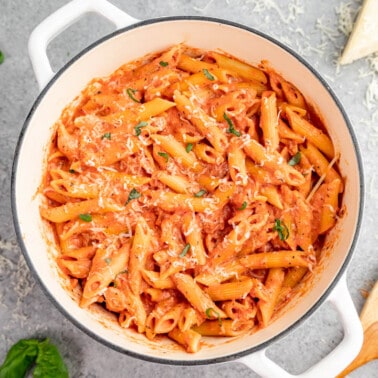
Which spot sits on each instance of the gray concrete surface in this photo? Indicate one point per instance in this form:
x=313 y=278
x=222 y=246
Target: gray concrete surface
x=316 y=30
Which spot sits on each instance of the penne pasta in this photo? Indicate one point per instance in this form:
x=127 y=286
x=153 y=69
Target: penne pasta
x=190 y=194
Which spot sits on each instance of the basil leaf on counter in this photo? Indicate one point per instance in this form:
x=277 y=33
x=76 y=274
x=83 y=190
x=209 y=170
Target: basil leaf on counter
x=28 y=352
x=19 y=359
x=49 y=362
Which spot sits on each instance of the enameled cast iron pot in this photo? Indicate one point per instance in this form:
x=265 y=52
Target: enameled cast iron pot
x=135 y=39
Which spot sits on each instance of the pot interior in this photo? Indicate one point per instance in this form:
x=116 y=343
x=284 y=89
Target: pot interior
x=102 y=59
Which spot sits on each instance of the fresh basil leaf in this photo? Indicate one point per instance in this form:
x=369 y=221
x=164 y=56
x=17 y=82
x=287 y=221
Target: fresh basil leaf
x=208 y=74
x=138 y=127
x=164 y=155
x=85 y=217
x=282 y=229
x=231 y=127
x=243 y=206
x=134 y=194
x=107 y=136
x=19 y=359
x=216 y=313
x=200 y=193
x=163 y=64
x=131 y=92
x=185 y=250
x=189 y=147
x=49 y=363
x=295 y=159
x=1 y=57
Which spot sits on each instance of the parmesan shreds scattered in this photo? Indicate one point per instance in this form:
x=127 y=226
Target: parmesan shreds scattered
x=204 y=8
x=294 y=9
x=346 y=15
x=326 y=29
x=373 y=63
x=371 y=96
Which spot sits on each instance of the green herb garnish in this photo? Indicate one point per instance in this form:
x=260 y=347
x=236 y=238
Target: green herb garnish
x=107 y=136
x=185 y=250
x=200 y=193
x=295 y=159
x=1 y=57
x=164 y=155
x=134 y=194
x=208 y=314
x=163 y=64
x=138 y=127
x=131 y=92
x=71 y=170
x=282 y=229
x=189 y=147
x=231 y=127
x=208 y=74
x=85 y=217
x=115 y=278
x=243 y=206
x=28 y=352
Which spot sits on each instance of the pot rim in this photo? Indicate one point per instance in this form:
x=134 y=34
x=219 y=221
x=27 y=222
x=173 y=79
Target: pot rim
x=193 y=361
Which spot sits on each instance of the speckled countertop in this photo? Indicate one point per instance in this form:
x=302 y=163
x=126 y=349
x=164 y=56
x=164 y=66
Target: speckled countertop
x=315 y=29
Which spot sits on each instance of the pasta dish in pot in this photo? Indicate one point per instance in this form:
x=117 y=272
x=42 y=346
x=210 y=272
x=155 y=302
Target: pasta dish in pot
x=190 y=193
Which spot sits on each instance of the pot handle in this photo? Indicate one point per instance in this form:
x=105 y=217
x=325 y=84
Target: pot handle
x=57 y=22
x=335 y=361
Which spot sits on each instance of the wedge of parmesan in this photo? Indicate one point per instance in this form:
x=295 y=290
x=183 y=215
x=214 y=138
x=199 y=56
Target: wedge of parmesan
x=364 y=37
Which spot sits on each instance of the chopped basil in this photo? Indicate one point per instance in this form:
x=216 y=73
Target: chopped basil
x=295 y=159
x=115 y=278
x=134 y=194
x=164 y=155
x=200 y=193
x=71 y=170
x=131 y=92
x=107 y=136
x=108 y=260
x=243 y=206
x=282 y=229
x=208 y=314
x=138 y=127
x=85 y=217
x=231 y=127
x=185 y=250
x=189 y=147
x=208 y=74
x=1 y=57
x=163 y=64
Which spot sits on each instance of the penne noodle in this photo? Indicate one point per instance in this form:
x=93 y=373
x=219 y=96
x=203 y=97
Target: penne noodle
x=311 y=133
x=196 y=296
x=72 y=210
x=229 y=291
x=278 y=259
x=190 y=340
x=224 y=328
x=269 y=121
x=273 y=284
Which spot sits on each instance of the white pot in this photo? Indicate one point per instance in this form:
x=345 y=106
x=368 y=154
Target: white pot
x=102 y=58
